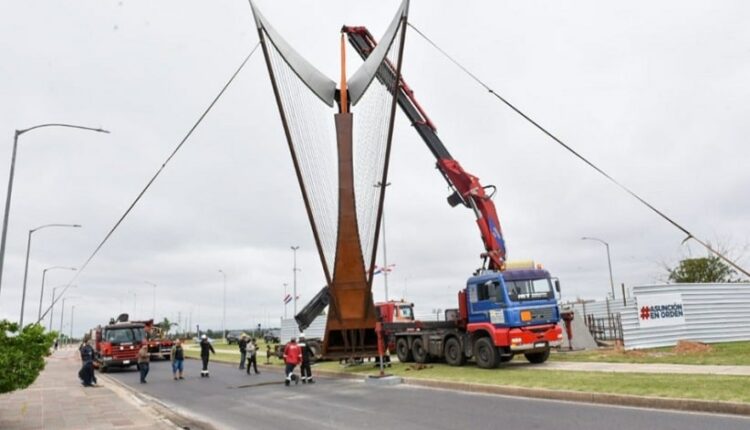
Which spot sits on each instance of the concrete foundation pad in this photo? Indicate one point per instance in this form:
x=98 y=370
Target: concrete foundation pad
x=383 y=380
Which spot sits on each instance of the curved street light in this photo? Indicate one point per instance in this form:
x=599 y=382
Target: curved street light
x=41 y=294
x=609 y=262
x=52 y=306
x=26 y=266
x=10 y=181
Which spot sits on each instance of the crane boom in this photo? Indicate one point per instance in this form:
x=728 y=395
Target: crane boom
x=467 y=190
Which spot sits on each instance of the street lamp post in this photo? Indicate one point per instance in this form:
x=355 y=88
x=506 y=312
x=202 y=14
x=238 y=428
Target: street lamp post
x=41 y=294
x=153 y=310
x=385 y=255
x=294 y=287
x=26 y=266
x=72 y=313
x=224 y=311
x=62 y=313
x=609 y=262
x=10 y=182
x=285 y=303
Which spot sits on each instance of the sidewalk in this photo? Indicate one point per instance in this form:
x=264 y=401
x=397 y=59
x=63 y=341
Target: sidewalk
x=57 y=400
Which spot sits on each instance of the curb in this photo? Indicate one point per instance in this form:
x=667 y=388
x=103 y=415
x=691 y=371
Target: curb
x=666 y=403
x=160 y=409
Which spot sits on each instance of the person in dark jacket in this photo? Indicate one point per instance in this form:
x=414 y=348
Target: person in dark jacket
x=307 y=356
x=205 y=348
x=242 y=343
x=87 y=369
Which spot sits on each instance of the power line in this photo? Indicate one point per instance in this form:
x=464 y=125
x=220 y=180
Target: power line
x=153 y=178
x=576 y=154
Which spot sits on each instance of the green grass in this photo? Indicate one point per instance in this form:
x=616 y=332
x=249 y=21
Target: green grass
x=701 y=387
x=730 y=353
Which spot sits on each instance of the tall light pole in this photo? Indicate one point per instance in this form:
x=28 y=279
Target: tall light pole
x=153 y=310
x=294 y=288
x=224 y=311
x=285 y=303
x=72 y=314
x=41 y=294
x=26 y=266
x=10 y=182
x=52 y=306
x=609 y=262
x=62 y=313
x=385 y=255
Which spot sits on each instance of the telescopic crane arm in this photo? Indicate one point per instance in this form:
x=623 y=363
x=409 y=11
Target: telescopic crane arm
x=467 y=190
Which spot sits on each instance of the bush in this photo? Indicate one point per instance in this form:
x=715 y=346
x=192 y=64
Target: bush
x=22 y=354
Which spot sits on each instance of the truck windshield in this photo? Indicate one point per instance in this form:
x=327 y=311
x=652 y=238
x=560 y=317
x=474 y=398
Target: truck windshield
x=536 y=289
x=406 y=312
x=124 y=335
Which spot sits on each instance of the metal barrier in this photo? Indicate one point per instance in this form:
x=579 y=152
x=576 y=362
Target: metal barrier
x=608 y=328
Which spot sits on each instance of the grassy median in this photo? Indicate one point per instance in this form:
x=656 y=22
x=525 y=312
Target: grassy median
x=730 y=354
x=702 y=387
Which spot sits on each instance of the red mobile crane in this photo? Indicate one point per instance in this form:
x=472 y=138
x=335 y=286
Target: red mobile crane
x=467 y=189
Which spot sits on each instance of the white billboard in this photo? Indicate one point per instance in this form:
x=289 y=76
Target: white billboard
x=660 y=310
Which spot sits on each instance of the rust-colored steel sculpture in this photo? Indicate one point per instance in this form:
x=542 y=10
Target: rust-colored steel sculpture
x=350 y=330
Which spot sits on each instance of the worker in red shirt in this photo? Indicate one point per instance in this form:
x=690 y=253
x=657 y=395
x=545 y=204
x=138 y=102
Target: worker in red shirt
x=292 y=357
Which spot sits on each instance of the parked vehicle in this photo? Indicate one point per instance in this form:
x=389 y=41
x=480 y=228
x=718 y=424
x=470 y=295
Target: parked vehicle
x=117 y=344
x=499 y=314
x=272 y=335
x=159 y=346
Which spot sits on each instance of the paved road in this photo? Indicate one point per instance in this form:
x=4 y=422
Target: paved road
x=232 y=399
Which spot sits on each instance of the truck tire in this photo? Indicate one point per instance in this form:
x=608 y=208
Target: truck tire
x=486 y=354
x=402 y=350
x=419 y=351
x=454 y=354
x=537 y=357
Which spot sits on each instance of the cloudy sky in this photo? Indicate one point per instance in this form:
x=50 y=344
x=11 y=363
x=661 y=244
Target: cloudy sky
x=655 y=93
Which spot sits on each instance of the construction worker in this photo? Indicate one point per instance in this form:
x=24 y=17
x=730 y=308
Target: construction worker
x=307 y=356
x=205 y=348
x=143 y=362
x=292 y=357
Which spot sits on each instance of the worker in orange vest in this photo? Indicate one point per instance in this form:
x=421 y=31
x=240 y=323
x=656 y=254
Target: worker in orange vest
x=292 y=357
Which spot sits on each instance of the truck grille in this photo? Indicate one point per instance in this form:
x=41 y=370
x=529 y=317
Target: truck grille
x=542 y=314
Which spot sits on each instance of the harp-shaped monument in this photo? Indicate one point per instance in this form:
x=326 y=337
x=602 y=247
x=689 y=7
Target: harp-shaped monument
x=339 y=162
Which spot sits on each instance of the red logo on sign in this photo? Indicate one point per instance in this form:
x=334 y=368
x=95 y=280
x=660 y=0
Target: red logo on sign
x=645 y=313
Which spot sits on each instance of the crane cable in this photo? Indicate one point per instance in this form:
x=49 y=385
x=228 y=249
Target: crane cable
x=151 y=181
x=575 y=153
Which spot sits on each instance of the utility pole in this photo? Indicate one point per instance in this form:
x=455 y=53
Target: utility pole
x=224 y=312
x=294 y=289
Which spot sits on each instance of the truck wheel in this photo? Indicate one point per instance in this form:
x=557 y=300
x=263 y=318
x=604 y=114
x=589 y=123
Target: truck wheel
x=454 y=354
x=402 y=351
x=419 y=351
x=537 y=357
x=486 y=354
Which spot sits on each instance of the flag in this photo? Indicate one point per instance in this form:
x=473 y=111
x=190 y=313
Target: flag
x=287 y=298
x=386 y=269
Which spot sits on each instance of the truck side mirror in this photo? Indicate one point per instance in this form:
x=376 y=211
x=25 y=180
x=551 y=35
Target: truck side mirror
x=557 y=285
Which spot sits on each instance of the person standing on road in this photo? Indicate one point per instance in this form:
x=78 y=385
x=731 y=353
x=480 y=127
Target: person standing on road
x=177 y=357
x=252 y=354
x=205 y=348
x=87 y=368
x=307 y=355
x=242 y=343
x=143 y=362
x=292 y=357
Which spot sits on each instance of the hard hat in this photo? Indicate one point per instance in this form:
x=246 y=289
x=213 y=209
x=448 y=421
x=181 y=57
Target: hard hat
x=203 y=336
x=301 y=335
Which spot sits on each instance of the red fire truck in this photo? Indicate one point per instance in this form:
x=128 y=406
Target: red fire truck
x=117 y=343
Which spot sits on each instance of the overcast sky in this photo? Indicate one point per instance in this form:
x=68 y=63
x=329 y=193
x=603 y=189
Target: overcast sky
x=655 y=93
